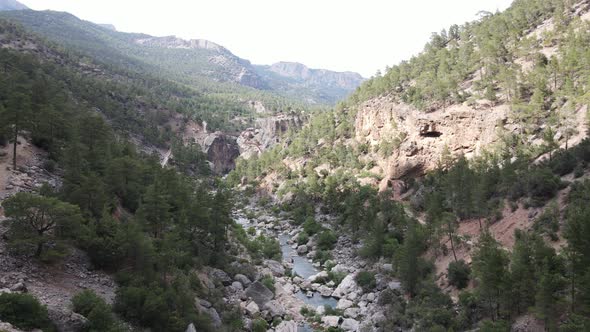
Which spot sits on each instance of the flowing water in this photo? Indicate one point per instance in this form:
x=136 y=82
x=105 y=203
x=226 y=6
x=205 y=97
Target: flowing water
x=303 y=268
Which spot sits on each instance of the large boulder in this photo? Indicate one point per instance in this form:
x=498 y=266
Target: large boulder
x=331 y=321
x=252 y=308
x=347 y=286
x=343 y=304
x=350 y=324
x=245 y=281
x=275 y=267
x=220 y=276
x=302 y=249
x=191 y=328
x=287 y=326
x=259 y=293
x=275 y=309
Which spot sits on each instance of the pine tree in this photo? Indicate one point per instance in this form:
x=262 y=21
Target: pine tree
x=490 y=266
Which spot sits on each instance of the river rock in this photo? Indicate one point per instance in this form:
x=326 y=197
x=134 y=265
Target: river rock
x=331 y=321
x=245 y=281
x=325 y=291
x=275 y=267
x=387 y=267
x=297 y=280
x=275 y=309
x=347 y=286
x=252 y=308
x=371 y=297
x=302 y=249
x=237 y=286
x=319 y=276
x=320 y=310
x=344 y=304
x=352 y=312
x=350 y=324
x=191 y=328
x=259 y=293
x=287 y=326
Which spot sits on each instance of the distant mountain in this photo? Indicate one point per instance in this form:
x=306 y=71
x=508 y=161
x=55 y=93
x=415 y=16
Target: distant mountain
x=329 y=85
x=11 y=5
x=344 y=80
x=109 y=26
x=195 y=62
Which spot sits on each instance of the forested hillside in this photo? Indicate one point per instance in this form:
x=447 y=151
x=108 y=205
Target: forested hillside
x=466 y=168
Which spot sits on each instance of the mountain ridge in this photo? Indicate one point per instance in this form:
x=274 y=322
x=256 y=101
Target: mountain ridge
x=189 y=61
x=11 y=5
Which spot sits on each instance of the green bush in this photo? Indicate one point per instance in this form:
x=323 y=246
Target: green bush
x=326 y=240
x=322 y=256
x=259 y=325
x=311 y=227
x=25 y=312
x=366 y=280
x=458 y=274
x=269 y=282
x=302 y=238
x=85 y=301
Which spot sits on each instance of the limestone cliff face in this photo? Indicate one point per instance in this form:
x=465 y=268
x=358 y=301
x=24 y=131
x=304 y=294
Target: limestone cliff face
x=222 y=151
x=424 y=137
x=267 y=133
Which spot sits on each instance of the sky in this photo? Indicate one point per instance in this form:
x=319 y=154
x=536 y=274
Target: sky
x=343 y=35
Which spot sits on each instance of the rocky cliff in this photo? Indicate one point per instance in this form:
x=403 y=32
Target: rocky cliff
x=424 y=137
x=298 y=71
x=268 y=132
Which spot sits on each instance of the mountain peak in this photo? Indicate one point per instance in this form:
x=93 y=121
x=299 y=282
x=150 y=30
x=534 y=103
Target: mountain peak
x=11 y=5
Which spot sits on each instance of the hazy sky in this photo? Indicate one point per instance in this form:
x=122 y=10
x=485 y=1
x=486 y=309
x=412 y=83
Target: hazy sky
x=355 y=35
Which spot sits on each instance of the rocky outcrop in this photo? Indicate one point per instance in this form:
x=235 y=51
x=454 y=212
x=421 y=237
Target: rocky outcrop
x=268 y=132
x=421 y=138
x=222 y=151
x=327 y=78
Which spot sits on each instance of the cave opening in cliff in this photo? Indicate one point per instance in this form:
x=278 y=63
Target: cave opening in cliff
x=433 y=134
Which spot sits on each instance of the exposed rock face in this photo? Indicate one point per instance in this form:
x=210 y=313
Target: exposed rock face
x=345 y=80
x=222 y=151
x=424 y=137
x=267 y=133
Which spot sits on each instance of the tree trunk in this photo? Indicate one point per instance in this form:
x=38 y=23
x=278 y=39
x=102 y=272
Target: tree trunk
x=39 y=249
x=15 y=144
x=452 y=245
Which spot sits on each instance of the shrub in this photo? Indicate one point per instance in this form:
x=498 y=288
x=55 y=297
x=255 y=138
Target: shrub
x=322 y=256
x=326 y=240
x=458 y=274
x=302 y=238
x=269 y=282
x=311 y=227
x=366 y=280
x=259 y=325
x=24 y=311
x=85 y=301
